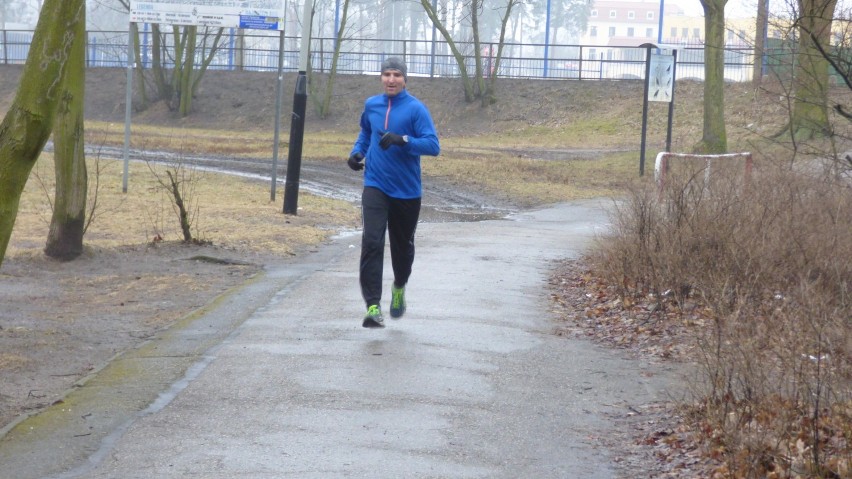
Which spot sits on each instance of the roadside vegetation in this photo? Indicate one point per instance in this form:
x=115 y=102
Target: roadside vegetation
x=760 y=271
x=230 y=212
x=748 y=277
x=757 y=272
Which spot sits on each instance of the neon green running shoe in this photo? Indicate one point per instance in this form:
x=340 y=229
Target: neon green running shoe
x=397 y=302
x=374 y=319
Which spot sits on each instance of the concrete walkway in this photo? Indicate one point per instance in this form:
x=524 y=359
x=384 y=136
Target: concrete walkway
x=471 y=383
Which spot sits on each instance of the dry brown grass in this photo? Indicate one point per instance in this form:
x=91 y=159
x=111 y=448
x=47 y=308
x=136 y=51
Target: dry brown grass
x=12 y=362
x=232 y=213
x=533 y=181
x=771 y=260
x=235 y=143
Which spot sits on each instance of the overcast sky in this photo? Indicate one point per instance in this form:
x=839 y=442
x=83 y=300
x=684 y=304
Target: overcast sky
x=734 y=8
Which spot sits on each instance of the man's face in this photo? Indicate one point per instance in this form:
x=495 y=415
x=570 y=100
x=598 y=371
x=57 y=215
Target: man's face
x=393 y=82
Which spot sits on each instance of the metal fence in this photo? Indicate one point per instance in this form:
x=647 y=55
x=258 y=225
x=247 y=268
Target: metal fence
x=240 y=50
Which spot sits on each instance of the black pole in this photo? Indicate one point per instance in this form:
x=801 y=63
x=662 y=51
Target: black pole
x=297 y=134
x=645 y=111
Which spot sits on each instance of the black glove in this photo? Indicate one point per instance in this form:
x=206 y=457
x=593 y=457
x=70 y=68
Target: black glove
x=355 y=160
x=389 y=139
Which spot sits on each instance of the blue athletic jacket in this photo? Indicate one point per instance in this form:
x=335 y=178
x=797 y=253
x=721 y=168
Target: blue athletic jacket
x=396 y=171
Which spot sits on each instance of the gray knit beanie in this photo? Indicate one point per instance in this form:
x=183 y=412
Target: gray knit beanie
x=395 y=63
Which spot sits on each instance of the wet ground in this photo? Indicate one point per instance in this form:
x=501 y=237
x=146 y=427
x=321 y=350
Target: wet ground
x=441 y=202
x=279 y=379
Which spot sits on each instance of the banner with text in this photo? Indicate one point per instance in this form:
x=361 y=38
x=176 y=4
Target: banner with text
x=256 y=15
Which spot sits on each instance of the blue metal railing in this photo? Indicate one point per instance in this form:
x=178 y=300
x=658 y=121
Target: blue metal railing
x=258 y=51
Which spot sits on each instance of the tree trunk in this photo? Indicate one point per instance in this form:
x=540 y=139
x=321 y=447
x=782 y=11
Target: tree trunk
x=65 y=238
x=760 y=40
x=178 y=198
x=164 y=89
x=139 y=71
x=714 y=139
x=207 y=59
x=185 y=79
x=179 y=39
x=810 y=80
x=478 y=73
x=29 y=120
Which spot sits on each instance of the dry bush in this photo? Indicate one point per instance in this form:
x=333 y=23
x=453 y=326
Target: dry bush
x=770 y=258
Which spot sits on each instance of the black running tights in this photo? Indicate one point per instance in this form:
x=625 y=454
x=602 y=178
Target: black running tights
x=381 y=213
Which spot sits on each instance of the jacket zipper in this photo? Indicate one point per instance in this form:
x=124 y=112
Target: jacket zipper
x=387 y=114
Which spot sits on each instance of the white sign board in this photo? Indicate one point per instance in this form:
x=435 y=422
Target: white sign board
x=661 y=81
x=255 y=14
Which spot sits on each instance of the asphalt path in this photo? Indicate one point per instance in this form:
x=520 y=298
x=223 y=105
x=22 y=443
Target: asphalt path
x=279 y=379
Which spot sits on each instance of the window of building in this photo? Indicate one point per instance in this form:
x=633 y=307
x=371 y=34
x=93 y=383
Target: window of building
x=612 y=14
x=611 y=31
x=593 y=31
x=696 y=33
x=649 y=15
x=593 y=52
x=593 y=13
x=631 y=15
x=629 y=31
x=674 y=32
x=730 y=35
x=684 y=33
x=649 y=33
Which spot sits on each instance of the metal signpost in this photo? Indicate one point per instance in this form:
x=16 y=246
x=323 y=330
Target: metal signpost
x=247 y=14
x=660 y=70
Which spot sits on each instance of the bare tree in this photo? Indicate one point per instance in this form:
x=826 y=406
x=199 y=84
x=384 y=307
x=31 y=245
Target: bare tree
x=324 y=104
x=186 y=76
x=179 y=183
x=29 y=120
x=475 y=86
x=490 y=92
x=178 y=85
x=714 y=139
x=810 y=79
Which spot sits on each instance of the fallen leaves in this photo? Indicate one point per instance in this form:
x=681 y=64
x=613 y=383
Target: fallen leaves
x=770 y=439
x=590 y=307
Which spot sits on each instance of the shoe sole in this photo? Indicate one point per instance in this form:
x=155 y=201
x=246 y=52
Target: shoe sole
x=396 y=316
x=371 y=323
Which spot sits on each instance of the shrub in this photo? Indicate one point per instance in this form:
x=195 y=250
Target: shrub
x=771 y=259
